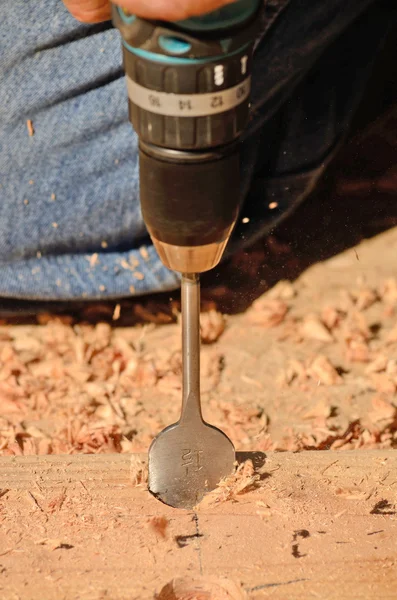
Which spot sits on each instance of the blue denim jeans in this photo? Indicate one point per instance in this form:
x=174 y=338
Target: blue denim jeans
x=70 y=222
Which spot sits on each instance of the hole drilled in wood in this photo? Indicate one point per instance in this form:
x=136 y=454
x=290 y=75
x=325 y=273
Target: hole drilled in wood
x=201 y=588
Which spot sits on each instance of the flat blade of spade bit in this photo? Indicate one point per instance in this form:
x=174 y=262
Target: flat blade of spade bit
x=189 y=458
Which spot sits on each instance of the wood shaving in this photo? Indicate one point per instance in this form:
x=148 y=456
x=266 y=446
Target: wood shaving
x=391 y=367
x=321 y=409
x=358 y=351
x=322 y=370
x=242 y=481
x=117 y=312
x=93 y=260
x=365 y=298
x=53 y=544
x=267 y=313
x=29 y=125
x=357 y=335
x=313 y=328
x=383 y=383
x=283 y=290
x=383 y=410
x=295 y=370
x=139 y=472
x=126 y=265
x=351 y=493
x=387 y=291
x=378 y=365
x=145 y=374
x=144 y=253
x=212 y=325
x=159 y=525
x=391 y=337
x=331 y=317
x=56 y=503
x=150 y=313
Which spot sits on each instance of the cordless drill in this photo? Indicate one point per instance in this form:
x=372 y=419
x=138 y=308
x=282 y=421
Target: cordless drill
x=189 y=86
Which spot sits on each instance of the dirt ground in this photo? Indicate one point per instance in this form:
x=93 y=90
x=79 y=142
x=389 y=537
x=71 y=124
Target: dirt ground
x=299 y=338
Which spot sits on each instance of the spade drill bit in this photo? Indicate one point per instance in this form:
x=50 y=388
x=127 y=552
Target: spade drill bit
x=189 y=458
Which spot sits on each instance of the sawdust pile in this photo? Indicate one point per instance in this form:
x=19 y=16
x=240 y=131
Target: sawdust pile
x=80 y=388
x=362 y=344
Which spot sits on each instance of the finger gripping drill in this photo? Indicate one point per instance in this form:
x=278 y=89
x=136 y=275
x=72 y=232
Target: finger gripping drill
x=188 y=86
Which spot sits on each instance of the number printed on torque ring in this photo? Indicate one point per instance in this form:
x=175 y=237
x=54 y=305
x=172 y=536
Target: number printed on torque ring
x=154 y=101
x=244 y=62
x=185 y=105
x=190 y=105
x=216 y=101
x=219 y=75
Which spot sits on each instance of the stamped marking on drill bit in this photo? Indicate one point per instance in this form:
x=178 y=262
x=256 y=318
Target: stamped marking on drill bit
x=188 y=105
x=191 y=458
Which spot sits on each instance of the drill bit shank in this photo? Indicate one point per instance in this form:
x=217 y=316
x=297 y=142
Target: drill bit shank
x=191 y=405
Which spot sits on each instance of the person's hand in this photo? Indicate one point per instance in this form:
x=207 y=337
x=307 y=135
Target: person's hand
x=94 y=11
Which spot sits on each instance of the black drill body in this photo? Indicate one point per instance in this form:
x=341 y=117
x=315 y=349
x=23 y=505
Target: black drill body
x=189 y=103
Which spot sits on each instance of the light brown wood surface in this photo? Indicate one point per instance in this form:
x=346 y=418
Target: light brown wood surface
x=319 y=525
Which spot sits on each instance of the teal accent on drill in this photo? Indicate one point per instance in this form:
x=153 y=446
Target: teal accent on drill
x=223 y=18
x=174 y=45
x=174 y=60
x=126 y=18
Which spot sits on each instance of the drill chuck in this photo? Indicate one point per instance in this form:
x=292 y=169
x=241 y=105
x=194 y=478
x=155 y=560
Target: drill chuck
x=188 y=87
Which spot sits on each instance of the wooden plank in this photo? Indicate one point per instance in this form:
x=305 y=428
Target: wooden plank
x=319 y=525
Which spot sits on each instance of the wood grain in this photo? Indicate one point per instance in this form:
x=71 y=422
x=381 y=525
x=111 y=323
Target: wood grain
x=319 y=525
